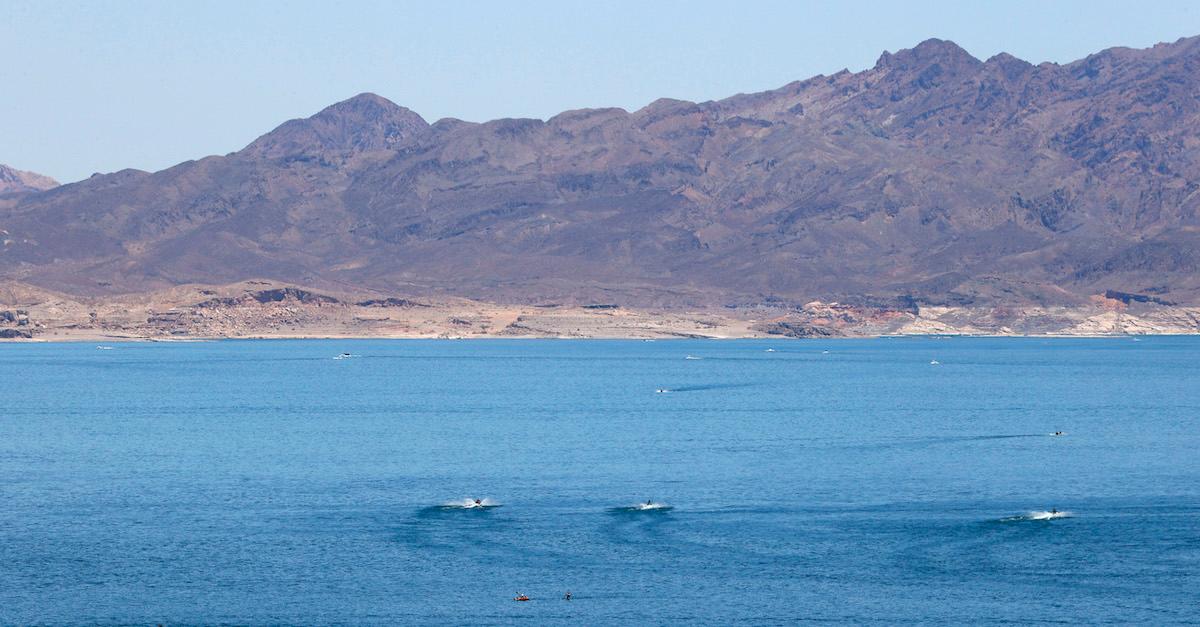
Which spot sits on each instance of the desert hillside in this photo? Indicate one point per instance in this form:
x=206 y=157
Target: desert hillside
x=933 y=181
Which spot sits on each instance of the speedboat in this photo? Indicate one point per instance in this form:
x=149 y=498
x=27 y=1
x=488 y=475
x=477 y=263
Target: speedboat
x=344 y=356
x=770 y=350
x=661 y=391
x=935 y=362
x=693 y=357
x=521 y=597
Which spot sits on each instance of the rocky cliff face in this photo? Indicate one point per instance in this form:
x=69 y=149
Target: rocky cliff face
x=931 y=179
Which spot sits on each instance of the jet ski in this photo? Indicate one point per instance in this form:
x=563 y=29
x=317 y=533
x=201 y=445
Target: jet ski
x=1050 y=515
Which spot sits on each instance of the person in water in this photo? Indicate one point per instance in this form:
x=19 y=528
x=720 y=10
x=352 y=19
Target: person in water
x=567 y=596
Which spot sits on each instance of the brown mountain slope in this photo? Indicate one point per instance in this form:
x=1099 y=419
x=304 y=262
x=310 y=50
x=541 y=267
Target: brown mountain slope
x=16 y=181
x=932 y=177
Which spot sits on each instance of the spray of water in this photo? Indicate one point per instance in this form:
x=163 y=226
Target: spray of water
x=470 y=504
x=648 y=506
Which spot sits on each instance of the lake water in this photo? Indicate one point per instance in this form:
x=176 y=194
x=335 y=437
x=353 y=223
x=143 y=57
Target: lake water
x=266 y=482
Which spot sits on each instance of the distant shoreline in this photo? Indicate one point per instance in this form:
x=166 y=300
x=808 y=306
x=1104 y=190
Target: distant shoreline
x=102 y=339
x=266 y=310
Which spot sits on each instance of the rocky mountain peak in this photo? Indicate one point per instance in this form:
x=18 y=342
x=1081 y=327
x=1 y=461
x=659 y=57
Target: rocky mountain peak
x=1007 y=66
x=366 y=122
x=946 y=54
x=15 y=181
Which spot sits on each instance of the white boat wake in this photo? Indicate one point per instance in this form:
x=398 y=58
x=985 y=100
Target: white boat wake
x=471 y=504
x=1042 y=515
x=1047 y=515
x=648 y=506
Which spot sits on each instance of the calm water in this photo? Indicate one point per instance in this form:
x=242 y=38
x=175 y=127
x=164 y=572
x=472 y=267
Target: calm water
x=265 y=482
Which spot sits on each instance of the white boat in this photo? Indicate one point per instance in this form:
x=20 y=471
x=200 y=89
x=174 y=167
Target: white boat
x=935 y=363
x=693 y=357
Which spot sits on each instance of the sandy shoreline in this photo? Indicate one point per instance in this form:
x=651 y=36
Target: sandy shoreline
x=266 y=310
x=101 y=338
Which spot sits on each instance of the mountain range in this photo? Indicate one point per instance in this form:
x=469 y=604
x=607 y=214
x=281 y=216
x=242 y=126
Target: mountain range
x=931 y=179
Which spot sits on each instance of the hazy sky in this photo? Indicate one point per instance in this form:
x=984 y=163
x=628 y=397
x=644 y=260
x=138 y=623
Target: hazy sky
x=100 y=86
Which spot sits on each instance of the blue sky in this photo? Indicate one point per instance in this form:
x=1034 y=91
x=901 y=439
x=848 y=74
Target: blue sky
x=99 y=86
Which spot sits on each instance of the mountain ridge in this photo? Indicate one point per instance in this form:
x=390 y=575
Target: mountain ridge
x=932 y=177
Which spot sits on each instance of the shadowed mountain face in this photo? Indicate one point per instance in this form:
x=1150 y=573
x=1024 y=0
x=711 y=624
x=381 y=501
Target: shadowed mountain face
x=15 y=181
x=933 y=177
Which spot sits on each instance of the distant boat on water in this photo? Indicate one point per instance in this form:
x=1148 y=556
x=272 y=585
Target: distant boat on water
x=693 y=357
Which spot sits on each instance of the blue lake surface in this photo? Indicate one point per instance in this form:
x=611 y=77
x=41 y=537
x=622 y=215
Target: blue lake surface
x=265 y=482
